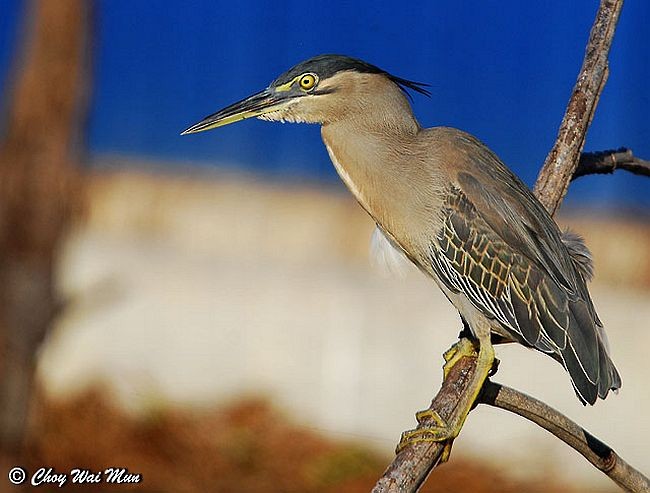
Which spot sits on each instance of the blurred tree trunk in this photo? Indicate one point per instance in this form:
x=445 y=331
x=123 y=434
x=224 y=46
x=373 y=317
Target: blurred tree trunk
x=39 y=190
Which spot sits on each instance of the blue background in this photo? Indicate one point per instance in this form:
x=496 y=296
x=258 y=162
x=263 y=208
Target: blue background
x=502 y=70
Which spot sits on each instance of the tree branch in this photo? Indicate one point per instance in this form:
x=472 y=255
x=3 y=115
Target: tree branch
x=606 y=162
x=412 y=465
x=561 y=163
x=414 y=462
x=591 y=448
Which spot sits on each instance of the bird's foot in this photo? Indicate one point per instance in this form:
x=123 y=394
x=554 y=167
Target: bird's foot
x=432 y=428
x=463 y=348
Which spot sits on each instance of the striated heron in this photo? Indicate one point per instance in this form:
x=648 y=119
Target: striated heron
x=447 y=202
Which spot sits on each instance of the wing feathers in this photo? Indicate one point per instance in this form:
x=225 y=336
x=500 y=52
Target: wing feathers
x=549 y=311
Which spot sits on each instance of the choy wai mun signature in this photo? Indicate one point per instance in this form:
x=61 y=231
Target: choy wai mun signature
x=110 y=475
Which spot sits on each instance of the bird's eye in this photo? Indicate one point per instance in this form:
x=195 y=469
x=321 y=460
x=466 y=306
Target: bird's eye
x=307 y=81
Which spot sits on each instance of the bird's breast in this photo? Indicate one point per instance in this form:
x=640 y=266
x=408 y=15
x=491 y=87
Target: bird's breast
x=350 y=182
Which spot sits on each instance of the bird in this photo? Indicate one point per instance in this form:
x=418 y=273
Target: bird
x=445 y=201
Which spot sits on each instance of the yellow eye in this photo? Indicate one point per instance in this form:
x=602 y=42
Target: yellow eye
x=307 y=81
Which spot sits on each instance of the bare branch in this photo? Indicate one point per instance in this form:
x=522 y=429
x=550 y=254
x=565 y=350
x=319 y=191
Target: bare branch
x=562 y=161
x=598 y=453
x=412 y=465
x=605 y=162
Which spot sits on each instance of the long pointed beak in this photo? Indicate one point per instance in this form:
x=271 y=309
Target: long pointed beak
x=258 y=104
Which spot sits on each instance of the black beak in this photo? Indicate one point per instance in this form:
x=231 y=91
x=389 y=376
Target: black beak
x=258 y=104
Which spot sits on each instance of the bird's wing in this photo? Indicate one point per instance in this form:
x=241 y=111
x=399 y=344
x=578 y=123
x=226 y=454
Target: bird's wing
x=471 y=258
x=500 y=248
x=512 y=212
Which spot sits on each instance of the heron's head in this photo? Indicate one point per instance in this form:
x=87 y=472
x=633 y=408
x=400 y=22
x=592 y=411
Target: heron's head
x=319 y=90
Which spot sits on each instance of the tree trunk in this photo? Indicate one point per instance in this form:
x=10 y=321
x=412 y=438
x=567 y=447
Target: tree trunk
x=39 y=191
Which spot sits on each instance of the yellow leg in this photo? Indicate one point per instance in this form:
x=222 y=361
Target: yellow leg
x=464 y=347
x=432 y=427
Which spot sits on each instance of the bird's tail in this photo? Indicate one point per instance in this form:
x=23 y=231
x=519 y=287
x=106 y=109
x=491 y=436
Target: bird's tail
x=586 y=356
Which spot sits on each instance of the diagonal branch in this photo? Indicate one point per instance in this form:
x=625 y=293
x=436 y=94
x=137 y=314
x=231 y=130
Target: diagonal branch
x=561 y=163
x=592 y=449
x=412 y=465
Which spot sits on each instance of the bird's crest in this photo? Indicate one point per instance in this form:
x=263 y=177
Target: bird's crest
x=328 y=65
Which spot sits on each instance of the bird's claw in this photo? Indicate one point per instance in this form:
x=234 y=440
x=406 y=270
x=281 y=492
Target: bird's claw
x=463 y=348
x=432 y=429
x=431 y=426
x=430 y=416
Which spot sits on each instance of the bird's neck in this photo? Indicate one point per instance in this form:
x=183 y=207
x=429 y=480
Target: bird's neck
x=371 y=155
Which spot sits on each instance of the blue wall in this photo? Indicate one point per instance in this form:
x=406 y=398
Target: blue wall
x=502 y=70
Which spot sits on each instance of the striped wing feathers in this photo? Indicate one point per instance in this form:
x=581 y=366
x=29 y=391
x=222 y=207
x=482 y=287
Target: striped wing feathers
x=504 y=284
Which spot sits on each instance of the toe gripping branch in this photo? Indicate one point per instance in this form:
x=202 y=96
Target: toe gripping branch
x=467 y=366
